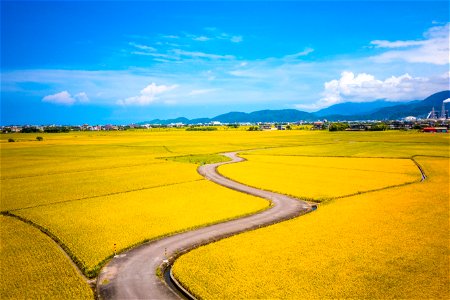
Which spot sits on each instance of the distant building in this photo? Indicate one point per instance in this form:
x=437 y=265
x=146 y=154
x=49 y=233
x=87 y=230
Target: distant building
x=436 y=129
x=265 y=127
x=358 y=127
x=317 y=125
x=410 y=119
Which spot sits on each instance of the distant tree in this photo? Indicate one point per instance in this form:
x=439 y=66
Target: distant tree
x=201 y=128
x=56 y=129
x=288 y=127
x=338 y=126
x=39 y=138
x=10 y=140
x=378 y=127
x=30 y=130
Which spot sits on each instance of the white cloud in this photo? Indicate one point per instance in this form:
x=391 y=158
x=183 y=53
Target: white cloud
x=365 y=87
x=434 y=49
x=147 y=95
x=82 y=97
x=63 y=98
x=396 y=44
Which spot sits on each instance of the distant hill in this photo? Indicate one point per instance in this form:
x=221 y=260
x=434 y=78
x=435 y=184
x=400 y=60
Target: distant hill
x=169 y=121
x=284 y=115
x=354 y=108
x=376 y=110
x=416 y=108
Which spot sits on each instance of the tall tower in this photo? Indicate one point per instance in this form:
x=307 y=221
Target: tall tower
x=443 y=110
x=432 y=114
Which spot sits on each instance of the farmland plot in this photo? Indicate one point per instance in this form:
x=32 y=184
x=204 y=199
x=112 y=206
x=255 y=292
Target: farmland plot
x=34 y=267
x=321 y=178
x=391 y=243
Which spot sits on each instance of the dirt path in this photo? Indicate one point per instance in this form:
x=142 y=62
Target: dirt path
x=132 y=275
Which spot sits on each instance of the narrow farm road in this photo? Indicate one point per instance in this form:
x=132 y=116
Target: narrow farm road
x=132 y=275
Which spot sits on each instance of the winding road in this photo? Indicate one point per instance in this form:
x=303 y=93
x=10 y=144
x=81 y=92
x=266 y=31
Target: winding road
x=132 y=274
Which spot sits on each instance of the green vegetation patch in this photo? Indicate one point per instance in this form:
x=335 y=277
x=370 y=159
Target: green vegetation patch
x=199 y=159
x=201 y=128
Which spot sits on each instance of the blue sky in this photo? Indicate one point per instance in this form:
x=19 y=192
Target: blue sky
x=121 y=62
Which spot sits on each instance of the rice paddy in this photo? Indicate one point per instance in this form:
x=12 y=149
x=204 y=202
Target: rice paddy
x=33 y=267
x=321 y=178
x=391 y=243
x=90 y=191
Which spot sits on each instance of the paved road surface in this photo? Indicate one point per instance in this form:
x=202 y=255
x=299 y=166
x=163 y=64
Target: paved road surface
x=131 y=275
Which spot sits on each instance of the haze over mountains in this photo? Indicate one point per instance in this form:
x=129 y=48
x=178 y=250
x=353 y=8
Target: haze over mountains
x=350 y=111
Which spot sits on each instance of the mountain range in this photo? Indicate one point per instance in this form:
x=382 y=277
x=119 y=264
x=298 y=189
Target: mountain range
x=350 y=111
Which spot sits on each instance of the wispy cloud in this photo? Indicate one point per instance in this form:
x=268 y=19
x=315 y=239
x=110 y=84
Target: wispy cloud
x=142 y=47
x=197 y=54
x=201 y=92
x=434 y=49
x=236 y=39
x=299 y=54
x=176 y=54
x=201 y=38
x=171 y=36
x=282 y=81
x=210 y=34
x=396 y=44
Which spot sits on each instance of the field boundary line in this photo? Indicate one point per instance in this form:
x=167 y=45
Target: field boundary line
x=73 y=260
x=424 y=175
x=82 y=171
x=104 y=195
x=325 y=200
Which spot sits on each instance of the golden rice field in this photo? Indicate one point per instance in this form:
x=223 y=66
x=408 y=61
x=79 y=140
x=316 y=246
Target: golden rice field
x=321 y=178
x=33 y=267
x=72 y=186
x=392 y=243
x=91 y=227
x=93 y=190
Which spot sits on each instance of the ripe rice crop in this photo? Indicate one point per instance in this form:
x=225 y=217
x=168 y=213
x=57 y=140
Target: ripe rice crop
x=46 y=189
x=93 y=189
x=33 y=267
x=320 y=178
x=91 y=227
x=391 y=243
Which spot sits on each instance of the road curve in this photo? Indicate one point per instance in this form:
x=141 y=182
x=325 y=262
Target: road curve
x=132 y=274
